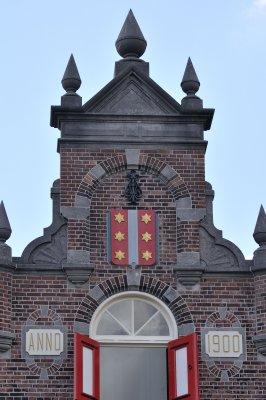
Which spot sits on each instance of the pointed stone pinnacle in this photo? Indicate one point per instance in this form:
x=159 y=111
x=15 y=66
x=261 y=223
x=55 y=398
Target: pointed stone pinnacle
x=190 y=83
x=130 y=41
x=5 y=228
x=71 y=80
x=260 y=228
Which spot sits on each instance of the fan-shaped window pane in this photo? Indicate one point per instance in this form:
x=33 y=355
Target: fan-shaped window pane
x=156 y=324
x=142 y=313
x=122 y=311
x=109 y=326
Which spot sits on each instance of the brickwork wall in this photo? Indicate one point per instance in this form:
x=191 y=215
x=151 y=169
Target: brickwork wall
x=190 y=166
x=78 y=234
x=5 y=300
x=76 y=163
x=20 y=381
x=107 y=192
x=260 y=283
x=237 y=295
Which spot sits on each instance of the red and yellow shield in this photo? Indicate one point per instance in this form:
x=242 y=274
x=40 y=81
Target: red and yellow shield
x=133 y=237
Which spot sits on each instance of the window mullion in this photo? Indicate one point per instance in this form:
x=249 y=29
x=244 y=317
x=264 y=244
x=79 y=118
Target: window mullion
x=120 y=323
x=146 y=323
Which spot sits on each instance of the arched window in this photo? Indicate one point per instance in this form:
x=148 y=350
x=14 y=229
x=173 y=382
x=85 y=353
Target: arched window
x=133 y=353
x=133 y=317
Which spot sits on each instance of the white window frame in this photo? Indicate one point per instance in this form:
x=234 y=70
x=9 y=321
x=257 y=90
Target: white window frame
x=147 y=340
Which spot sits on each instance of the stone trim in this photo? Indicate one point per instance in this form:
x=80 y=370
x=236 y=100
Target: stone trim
x=78 y=274
x=78 y=257
x=188 y=276
x=188 y=269
x=221 y=368
x=132 y=156
x=134 y=280
x=39 y=269
x=185 y=259
x=183 y=202
x=75 y=212
x=25 y=328
x=32 y=361
x=168 y=173
x=6 y=339
x=77 y=267
x=260 y=343
x=50 y=248
x=192 y=214
x=10 y=268
x=186 y=329
x=216 y=252
x=130 y=159
x=93 y=143
x=259 y=263
x=98 y=171
x=82 y=202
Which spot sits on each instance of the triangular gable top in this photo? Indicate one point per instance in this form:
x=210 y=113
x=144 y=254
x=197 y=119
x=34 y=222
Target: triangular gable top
x=132 y=93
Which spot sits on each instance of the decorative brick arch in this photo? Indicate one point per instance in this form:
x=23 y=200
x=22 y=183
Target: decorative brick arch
x=172 y=180
x=78 y=216
x=145 y=284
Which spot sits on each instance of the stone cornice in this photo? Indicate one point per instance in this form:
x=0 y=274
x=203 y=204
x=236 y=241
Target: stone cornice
x=7 y=267
x=260 y=343
x=6 y=339
x=39 y=269
x=96 y=142
x=61 y=115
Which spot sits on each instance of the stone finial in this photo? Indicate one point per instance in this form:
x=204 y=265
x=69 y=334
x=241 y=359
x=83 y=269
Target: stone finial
x=190 y=85
x=71 y=80
x=130 y=41
x=260 y=228
x=5 y=228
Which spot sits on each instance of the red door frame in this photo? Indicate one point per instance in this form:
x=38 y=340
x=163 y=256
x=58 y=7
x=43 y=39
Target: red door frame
x=81 y=341
x=191 y=343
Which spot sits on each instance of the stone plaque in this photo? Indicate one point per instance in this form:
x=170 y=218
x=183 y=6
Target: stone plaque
x=223 y=344
x=44 y=342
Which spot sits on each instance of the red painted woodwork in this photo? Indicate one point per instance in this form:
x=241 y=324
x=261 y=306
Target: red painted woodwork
x=191 y=343
x=147 y=228
x=81 y=341
x=119 y=227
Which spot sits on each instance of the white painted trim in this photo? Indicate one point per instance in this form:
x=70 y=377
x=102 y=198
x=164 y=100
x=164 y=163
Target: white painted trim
x=147 y=340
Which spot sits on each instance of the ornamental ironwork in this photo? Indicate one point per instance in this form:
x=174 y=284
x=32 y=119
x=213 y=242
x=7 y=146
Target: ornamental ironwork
x=133 y=192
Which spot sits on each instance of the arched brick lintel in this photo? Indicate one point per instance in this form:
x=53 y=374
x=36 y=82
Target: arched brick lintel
x=172 y=180
x=122 y=283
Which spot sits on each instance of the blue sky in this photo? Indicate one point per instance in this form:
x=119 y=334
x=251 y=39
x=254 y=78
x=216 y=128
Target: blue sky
x=226 y=41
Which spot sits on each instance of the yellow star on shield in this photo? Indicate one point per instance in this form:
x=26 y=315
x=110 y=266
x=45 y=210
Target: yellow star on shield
x=146 y=218
x=146 y=236
x=120 y=255
x=119 y=218
x=119 y=236
x=147 y=255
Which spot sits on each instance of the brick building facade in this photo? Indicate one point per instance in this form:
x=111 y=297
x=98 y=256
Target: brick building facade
x=65 y=284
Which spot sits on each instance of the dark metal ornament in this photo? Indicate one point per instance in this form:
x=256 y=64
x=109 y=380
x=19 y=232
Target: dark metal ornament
x=133 y=192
